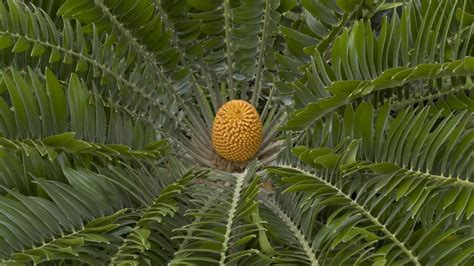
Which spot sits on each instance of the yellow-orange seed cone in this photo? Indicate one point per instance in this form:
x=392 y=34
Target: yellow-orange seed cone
x=237 y=131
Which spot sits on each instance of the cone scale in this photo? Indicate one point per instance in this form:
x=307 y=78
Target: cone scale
x=237 y=131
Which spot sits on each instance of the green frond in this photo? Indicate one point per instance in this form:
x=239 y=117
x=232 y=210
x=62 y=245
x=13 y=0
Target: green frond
x=223 y=230
x=52 y=145
x=50 y=7
x=68 y=49
x=382 y=64
x=30 y=148
x=54 y=109
x=79 y=244
x=83 y=220
x=343 y=92
x=414 y=139
x=417 y=150
x=152 y=46
x=316 y=25
x=230 y=39
x=137 y=240
x=37 y=228
x=294 y=238
x=401 y=241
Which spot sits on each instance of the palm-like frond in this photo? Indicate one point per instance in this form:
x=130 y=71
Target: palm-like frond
x=384 y=123
x=222 y=229
x=394 y=63
x=361 y=226
x=79 y=223
x=401 y=175
x=295 y=246
x=65 y=50
x=350 y=90
x=38 y=229
x=137 y=240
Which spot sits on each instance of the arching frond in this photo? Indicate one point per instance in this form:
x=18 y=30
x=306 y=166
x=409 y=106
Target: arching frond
x=375 y=219
x=122 y=79
x=204 y=32
x=74 y=217
x=222 y=232
x=381 y=65
x=79 y=223
x=345 y=91
x=296 y=247
x=418 y=150
x=316 y=24
x=138 y=239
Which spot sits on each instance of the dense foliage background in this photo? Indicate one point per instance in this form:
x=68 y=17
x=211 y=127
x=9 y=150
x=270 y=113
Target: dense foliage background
x=106 y=108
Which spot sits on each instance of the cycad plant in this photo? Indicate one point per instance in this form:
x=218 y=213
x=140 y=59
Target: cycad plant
x=236 y=132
